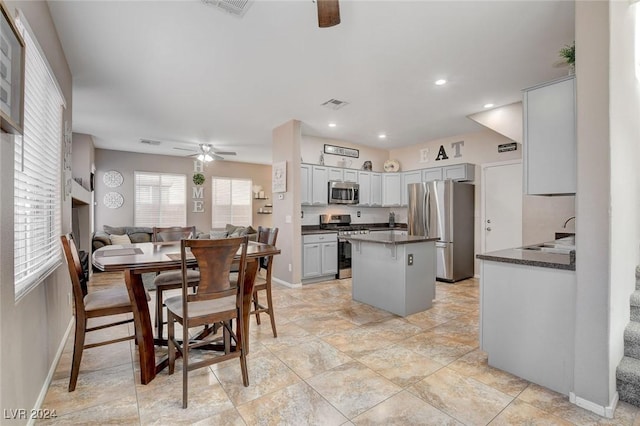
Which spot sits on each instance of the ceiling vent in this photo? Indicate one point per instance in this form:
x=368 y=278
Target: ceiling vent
x=149 y=142
x=234 y=7
x=334 y=104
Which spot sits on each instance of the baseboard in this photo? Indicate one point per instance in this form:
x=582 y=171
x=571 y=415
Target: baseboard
x=285 y=283
x=52 y=370
x=595 y=408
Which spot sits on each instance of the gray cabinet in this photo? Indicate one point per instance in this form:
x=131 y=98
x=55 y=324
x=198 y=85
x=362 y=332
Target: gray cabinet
x=305 y=184
x=459 y=172
x=335 y=174
x=350 y=175
x=370 y=189
x=414 y=176
x=319 y=188
x=391 y=189
x=319 y=255
x=549 y=150
x=376 y=190
x=434 y=173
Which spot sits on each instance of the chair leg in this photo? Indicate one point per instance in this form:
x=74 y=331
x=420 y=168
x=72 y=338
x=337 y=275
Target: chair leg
x=256 y=306
x=159 y=315
x=270 y=306
x=171 y=347
x=243 y=357
x=78 y=346
x=185 y=361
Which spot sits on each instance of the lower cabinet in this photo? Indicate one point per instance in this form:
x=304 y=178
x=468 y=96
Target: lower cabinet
x=319 y=256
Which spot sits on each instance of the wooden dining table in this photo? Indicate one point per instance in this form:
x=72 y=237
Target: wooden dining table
x=139 y=258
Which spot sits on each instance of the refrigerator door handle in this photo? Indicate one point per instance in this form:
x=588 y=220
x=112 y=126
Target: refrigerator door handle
x=427 y=217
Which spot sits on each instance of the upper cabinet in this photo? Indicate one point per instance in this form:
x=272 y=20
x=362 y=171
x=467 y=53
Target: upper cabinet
x=414 y=176
x=391 y=189
x=313 y=184
x=549 y=149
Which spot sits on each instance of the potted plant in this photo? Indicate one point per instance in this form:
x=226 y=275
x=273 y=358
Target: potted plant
x=568 y=52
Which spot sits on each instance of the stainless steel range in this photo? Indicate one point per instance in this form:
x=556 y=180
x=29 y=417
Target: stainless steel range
x=342 y=224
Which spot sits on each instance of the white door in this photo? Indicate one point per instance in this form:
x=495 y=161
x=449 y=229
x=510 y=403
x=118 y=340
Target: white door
x=502 y=206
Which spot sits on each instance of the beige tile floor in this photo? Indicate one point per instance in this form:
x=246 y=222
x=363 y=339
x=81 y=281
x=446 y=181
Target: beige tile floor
x=335 y=362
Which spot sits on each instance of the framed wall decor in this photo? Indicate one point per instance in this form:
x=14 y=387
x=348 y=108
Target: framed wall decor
x=340 y=150
x=279 y=177
x=11 y=75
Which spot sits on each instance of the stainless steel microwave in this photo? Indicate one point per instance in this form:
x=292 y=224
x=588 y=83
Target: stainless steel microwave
x=343 y=192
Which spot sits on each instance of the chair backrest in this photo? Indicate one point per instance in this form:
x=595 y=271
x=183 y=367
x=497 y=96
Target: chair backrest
x=214 y=259
x=75 y=271
x=267 y=236
x=172 y=233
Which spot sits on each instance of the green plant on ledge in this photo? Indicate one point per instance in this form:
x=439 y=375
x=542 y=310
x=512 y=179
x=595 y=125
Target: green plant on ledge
x=198 y=178
x=568 y=52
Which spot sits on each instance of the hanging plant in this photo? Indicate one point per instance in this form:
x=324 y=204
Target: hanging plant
x=198 y=178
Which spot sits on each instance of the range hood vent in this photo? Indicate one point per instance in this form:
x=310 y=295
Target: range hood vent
x=234 y=7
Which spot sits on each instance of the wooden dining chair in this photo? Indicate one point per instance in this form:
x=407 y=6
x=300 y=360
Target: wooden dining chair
x=101 y=303
x=216 y=301
x=170 y=280
x=267 y=236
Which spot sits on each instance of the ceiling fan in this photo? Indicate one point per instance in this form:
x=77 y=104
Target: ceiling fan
x=328 y=13
x=206 y=153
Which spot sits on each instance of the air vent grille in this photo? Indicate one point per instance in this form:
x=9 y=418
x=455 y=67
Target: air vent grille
x=149 y=142
x=335 y=104
x=234 y=7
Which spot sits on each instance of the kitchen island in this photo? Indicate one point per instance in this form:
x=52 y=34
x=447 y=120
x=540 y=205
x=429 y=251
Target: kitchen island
x=394 y=272
x=527 y=314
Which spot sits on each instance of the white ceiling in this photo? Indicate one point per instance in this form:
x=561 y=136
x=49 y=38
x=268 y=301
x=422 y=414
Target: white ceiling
x=185 y=73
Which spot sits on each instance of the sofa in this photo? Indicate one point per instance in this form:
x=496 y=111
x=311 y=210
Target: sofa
x=142 y=234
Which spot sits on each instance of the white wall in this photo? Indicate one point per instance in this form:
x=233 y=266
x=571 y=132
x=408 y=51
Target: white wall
x=31 y=330
x=592 y=381
x=128 y=162
x=311 y=147
x=624 y=111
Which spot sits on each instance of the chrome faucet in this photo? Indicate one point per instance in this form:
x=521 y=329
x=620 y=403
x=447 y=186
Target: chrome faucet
x=567 y=221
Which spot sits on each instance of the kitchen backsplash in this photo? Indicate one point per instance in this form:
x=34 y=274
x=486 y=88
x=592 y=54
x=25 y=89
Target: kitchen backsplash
x=311 y=215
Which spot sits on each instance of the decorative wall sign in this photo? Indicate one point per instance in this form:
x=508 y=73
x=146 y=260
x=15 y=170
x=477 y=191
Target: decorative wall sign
x=279 y=177
x=113 y=200
x=340 y=150
x=113 y=178
x=197 y=192
x=505 y=147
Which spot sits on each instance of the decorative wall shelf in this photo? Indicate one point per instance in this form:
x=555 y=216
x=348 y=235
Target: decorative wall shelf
x=260 y=198
x=265 y=212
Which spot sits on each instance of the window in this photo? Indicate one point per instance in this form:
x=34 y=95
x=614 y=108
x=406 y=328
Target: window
x=37 y=173
x=231 y=202
x=161 y=199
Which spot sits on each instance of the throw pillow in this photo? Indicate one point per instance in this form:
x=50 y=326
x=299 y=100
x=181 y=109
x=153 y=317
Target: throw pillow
x=218 y=235
x=250 y=230
x=240 y=231
x=119 y=239
x=114 y=230
x=230 y=228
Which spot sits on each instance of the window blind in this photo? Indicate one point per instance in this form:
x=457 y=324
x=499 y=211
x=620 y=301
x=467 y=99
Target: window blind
x=160 y=199
x=231 y=202
x=37 y=173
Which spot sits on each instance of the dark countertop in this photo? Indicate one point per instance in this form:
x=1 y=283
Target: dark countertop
x=315 y=229
x=532 y=258
x=388 y=238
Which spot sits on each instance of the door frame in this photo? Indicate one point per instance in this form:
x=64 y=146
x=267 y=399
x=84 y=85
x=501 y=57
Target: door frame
x=483 y=205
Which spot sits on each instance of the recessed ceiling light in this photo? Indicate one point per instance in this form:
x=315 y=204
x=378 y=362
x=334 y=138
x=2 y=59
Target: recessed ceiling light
x=382 y=136
x=488 y=105
x=441 y=82
x=332 y=124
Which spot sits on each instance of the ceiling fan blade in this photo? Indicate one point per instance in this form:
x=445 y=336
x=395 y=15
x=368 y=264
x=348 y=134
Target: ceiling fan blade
x=224 y=152
x=328 y=13
x=217 y=157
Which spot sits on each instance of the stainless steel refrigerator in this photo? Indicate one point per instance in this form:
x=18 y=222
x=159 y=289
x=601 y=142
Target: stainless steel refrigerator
x=444 y=209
